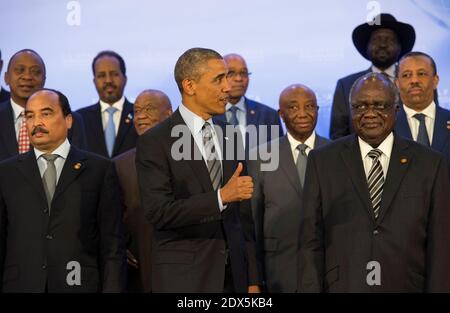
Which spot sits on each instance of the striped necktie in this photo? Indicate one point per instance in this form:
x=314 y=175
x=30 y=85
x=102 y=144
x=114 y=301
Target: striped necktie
x=375 y=181
x=214 y=167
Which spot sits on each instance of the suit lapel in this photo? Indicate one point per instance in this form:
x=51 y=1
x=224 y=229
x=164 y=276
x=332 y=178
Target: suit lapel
x=27 y=165
x=126 y=122
x=73 y=166
x=8 y=129
x=94 y=120
x=399 y=162
x=287 y=163
x=352 y=159
x=440 y=132
x=401 y=125
x=252 y=113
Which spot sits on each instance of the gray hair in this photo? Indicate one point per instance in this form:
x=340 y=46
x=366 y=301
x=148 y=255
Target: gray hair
x=376 y=76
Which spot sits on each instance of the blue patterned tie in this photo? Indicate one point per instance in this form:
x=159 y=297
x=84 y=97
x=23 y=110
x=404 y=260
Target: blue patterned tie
x=110 y=131
x=422 y=135
x=234 y=120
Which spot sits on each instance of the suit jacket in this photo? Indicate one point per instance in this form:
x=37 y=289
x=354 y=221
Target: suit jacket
x=126 y=136
x=138 y=227
x=4 y=95
x=84 y=225
x=276 y=211
x=258 y=114
x=8 y=138
x=341 y=121
x=339 y=235
x=441 y=132
x=190 y=233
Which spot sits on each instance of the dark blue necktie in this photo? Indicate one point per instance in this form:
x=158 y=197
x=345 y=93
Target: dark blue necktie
x=422 y=135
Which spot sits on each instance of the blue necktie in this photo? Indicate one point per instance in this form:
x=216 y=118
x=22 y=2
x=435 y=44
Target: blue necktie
x=234 y=120
x=422 y=135
x=302 y=160
x=110 y=131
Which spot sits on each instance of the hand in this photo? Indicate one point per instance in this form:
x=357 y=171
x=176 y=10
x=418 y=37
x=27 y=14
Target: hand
x=254 y=289
x=237 y=188
x=131 y=260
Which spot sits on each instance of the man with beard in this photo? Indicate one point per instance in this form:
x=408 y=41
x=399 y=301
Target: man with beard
x=109 y=123
x=382 y=44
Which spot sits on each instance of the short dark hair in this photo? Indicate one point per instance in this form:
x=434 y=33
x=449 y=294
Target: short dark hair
x=62 y=100
x=190 y=62
x=27 y=50
x=113 y=54
x=413 y=54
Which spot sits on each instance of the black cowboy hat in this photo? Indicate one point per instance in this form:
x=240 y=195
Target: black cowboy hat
x=405 y=33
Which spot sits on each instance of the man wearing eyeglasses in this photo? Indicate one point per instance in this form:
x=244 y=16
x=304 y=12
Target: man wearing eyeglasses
x=376 y=206
x=241 y=111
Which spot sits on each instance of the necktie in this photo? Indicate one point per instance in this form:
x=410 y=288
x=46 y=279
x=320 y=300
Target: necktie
x=110 y=130
x=301 y=162
x=49 y=178
x=375 y=181
x=234 y=120
x=214 y=167
x=23 y=141
x=422 y=135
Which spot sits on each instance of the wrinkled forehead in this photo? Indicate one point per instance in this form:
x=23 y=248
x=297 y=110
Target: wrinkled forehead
x=374 y=90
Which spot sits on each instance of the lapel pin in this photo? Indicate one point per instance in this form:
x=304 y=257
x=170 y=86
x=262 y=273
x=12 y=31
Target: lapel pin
x=252 y=112
x=77 y=166
x=403 y=161
x=448 y=124
x=226 y=138
x=128 y=118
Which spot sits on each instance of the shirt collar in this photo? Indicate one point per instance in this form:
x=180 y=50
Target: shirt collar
x=240 y=105
x=390 y=70
x=309 y=142
x=385 y=146
x=17 y=109
x=62 y=151
x=192 y=120
x=118 y=105
x=429 y=111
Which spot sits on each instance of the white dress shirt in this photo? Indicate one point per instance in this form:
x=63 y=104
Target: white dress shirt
x=62 y=151
x=116 y=116
x=17 y=110
x=195 y=124
x=430 y=115
x=294 y=144
x=390 y=71
x=385 y=147
x=241 y=115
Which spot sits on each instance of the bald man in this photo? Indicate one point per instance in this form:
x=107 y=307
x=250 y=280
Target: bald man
x=276 y=206
x=150 y=108
x=240 y=110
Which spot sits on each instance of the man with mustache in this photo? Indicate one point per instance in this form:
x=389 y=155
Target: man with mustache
x=382 y=44
x=60 y=213
x=24 y=75
x=420 y=118
x=376 y=206
x=109 y=122
x=4 y=94
x=150 y=108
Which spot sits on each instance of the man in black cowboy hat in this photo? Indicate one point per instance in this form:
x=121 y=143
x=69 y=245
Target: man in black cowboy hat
x=383 y=42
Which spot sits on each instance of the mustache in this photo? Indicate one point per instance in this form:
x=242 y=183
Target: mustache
x=39 y=129
x=109 y=85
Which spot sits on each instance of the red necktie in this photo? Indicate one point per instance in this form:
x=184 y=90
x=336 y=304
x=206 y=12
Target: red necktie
x=24 y=140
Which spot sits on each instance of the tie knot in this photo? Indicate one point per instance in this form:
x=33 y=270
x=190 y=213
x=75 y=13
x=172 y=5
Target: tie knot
x=420 y=117
x=50 y=157
x=302 y=148
x=374 y=153
x=111 y=110
x=233 y=109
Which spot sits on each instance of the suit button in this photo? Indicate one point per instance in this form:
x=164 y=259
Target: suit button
x=49 y=237
x=44 y=266
x=376 y=232
x=46 y=211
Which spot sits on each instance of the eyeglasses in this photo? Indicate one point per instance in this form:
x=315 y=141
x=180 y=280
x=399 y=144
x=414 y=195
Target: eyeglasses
x=243 y=74
x=364 y=107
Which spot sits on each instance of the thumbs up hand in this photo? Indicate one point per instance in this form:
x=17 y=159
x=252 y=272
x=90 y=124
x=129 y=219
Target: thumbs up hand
x=237 y=188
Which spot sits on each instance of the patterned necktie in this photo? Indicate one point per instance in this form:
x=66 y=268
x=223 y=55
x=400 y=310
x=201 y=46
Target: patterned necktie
x=302 y=160
x=214 y=167
x=375 y=181
x=49 y=177
x=110 y=130
x=24 y=141
x=234 y=120
x=422 y=135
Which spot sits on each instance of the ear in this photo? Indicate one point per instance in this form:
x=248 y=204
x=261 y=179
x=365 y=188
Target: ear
x=188 y=86
x=281 y=114
x=69 y=121
x=435 y=81
x=7 y=78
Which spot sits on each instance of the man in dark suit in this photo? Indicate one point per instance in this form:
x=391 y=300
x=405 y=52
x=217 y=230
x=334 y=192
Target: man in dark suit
x=243 y=112
x=420 y=118
x=276 y=207
x=376 y=206
x=4 y=94
x=109 y=122
x=60 y=216
x=382 y=42
x=192 y=191
x=24 y=75
x=150 y=108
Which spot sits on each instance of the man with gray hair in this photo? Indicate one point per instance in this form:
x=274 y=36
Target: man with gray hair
x=375 y=206
x=203 y=238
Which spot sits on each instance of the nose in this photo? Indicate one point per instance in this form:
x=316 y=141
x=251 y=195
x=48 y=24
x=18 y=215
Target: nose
x=226 y=85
